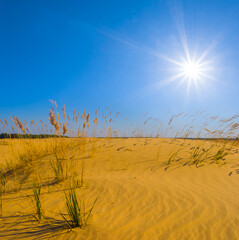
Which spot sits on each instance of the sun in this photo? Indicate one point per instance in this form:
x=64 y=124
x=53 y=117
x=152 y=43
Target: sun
x=195 y=71
x=191 y=70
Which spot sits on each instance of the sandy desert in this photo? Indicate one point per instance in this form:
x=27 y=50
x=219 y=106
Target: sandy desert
x=141 y=188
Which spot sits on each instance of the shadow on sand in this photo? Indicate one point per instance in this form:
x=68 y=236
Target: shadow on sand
x=24 y=226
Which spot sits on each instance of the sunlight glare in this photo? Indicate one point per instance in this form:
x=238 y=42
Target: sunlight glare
x=191 y=70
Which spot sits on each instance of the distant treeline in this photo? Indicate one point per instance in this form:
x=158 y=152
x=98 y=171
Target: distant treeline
x=15 y=135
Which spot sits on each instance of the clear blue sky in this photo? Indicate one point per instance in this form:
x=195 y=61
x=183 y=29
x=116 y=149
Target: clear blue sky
x=109 y=53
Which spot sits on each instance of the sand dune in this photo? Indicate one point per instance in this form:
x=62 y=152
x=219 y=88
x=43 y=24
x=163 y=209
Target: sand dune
x=138 y=197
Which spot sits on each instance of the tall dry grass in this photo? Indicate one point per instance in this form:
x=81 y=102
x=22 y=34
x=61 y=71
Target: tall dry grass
x=76 y=140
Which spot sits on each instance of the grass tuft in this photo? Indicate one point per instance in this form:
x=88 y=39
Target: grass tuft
x=36 y=200
x=78 y=216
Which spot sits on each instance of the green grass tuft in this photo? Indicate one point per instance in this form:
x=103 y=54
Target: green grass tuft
x=78 y=216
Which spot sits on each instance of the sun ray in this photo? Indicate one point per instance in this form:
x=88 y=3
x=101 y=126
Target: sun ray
x=192 y=68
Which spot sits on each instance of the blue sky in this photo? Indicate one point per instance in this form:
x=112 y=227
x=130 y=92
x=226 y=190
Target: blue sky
x=87 y=54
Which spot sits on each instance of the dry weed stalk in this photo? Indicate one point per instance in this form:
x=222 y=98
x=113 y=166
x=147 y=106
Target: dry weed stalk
x=53 y=121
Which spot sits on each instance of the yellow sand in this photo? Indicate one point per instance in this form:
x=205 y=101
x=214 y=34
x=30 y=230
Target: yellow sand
x=138 y=196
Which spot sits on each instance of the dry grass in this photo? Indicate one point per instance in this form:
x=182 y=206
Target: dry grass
x=62 y=155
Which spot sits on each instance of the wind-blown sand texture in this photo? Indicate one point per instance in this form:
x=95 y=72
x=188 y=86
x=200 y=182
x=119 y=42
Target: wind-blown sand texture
x=139 y=195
